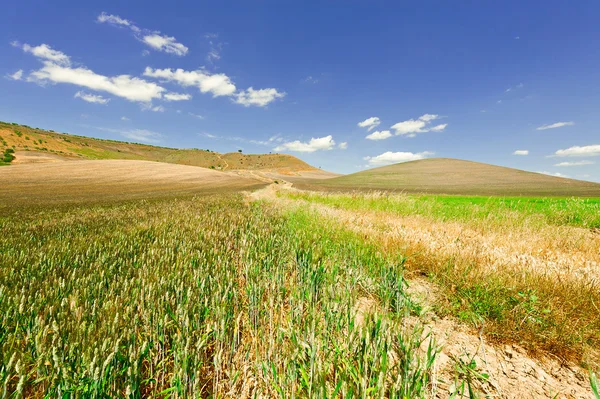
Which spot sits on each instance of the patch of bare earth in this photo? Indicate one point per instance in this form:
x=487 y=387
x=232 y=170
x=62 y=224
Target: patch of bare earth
x=512 y=372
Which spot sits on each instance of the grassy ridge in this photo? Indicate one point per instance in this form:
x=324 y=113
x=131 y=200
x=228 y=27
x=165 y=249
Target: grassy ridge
x=200 y=298
x=66 y=146
x=580 y=212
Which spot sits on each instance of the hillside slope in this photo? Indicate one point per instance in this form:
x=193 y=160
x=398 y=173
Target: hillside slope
x=34 y=145
x=111 y=180
x=453 y=176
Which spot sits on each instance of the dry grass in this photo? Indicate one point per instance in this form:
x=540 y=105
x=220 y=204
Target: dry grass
x=528 y=281
x=102 y=181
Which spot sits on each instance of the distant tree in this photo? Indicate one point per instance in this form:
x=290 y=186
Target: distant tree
x=240 y=151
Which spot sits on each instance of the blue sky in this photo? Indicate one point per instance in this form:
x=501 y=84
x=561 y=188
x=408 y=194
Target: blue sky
x=342 y=85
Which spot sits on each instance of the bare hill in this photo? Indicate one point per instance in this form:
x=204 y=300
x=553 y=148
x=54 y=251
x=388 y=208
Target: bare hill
x=453 y=176
x=34 y=145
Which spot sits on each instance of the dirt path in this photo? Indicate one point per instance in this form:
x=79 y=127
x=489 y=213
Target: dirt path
x=512 y=373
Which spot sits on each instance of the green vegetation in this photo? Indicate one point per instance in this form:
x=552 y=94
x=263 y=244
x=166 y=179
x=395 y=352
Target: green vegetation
x=200 y=298
x=7 y=156
x=581 y=212
x=538 y=310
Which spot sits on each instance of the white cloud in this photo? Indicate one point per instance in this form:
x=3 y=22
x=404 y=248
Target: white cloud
x=165 y=43
x=411 y=127
x=177 y=97
x=379 y=135
x=389 y=157
x=195 y=115
x=576 y=163
x=577 y=151
x=343 y=145
x=155 y=108
x=438 y=128
x=217 y=84
x=519 y=86
x=213 y=55
x=153 y=39
x=521 y=152
x=259 y=98
x=58 y=69
x=370 y=123
x=114 y=20
x=555 y=174
x=315 y=144
x=125 y=86
x=555 y=125
x=124 y=118
x=91 y=98
x=16 y=76
x=145 y=136
x=45 y=52
x=310 y=79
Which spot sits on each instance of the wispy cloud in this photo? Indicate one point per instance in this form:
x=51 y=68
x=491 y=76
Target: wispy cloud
x=16 y=76
x=177 y=97
x=195 y=115
x=343 y=145
x=370 y=123
x=315 y=144
x=577 y=151
x=388 y=158
x=521 y=152
x=153 y=39
x=555 y=125
x=576 y=163
x=555 y=174
x=512 y=88
x=91 y=98
x=140 y=135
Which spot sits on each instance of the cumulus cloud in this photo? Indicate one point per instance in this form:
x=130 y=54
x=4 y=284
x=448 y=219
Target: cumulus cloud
x=370 y=123
x=389 y=157
x=315 y=144
x=58 y=69
x=165 y=43
x=379 y=135
x=45 y=52
x=16 y=76
x=411 y=127
x=577 y=151
x=343 y=145
x=91 y=98
x=259 y=98
x=177 y=97
x=153 y=39
x=216 y=84
x=555 y=125
x=521 y=152
x=576 y=163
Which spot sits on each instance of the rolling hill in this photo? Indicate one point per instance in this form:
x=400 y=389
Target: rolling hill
x=453 y=176
x=34 y=145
